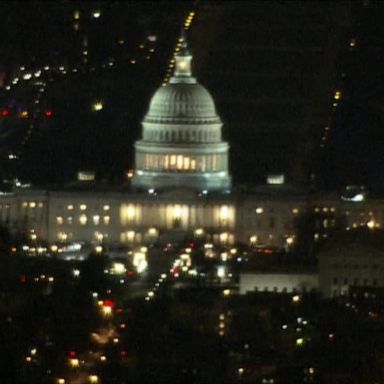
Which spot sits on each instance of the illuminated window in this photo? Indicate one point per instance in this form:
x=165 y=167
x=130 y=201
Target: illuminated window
x=131 y=212
x=59 y=220
x=70 y=207
x=106 y=220
x=295 y=211
x=32 y=204
x=70 y=220
x=25 y=204
x=83 y=207
x=96 y=219
x=259 y=210
x=172 y=162
x=106 y=207
x=177 y=212
x=40 y=204
x=83 y=219
x=179 y=162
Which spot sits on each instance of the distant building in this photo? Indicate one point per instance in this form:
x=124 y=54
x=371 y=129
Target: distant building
x=350 y=266
x=279 y=282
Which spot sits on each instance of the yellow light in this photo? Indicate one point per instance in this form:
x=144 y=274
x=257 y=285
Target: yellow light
x=199 y=232
x=337 y=95
x=352 y=43
x=83 y=207
x=295 y=211
x=28 y=359
x=371 y=224
x=296 y=298
x=98 y=249
x=33 y=351
x=76 y=15
x=226 y=292
x=118 y=268
x=299 y=342
x=74 y=363
x=259 y=210
x=83 y=219
x=290 y=240
x=96 y=14
x=253 y=239
x=106 y=310
x=97 y=106
x=60 y=381
x=103 y=358
x=131 y=212
x=93 y=379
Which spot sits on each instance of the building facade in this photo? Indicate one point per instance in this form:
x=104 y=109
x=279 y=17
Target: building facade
x=181 y=183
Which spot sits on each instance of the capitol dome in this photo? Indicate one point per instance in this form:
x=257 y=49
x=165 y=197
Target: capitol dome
x=181 y=144
x=182 y=102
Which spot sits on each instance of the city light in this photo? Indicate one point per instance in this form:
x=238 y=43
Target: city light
x=97 y=106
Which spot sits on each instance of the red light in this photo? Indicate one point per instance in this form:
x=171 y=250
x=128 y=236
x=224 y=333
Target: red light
x=4 y=112
x=22 y=278
x=108 y=303
x=48 y=113
x=123 y=353
x=192 y=244
x=72 y=353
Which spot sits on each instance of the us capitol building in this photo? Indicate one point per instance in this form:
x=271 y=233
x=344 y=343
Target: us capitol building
x=181 y=184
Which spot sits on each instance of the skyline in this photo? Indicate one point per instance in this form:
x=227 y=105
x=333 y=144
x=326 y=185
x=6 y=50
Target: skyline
x=59 y=142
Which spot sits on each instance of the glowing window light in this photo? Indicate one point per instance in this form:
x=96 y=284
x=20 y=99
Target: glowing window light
x=97 y=106
x=337 y=95
x=299 y=342
x=199 y=232
x=60 y=381
x=83 y=207
x=27 y=76
x=62 y=236
x=59 y=220
x=83 y=219
x=76 y=15
x=96 y=219
x=74 y=363
x=295 y=211
x=96 y=14
x=106 y=220
x=131 y=212
x=352 y=43
x=118 y=269
x=224 y=212
x=253 y=239
x=179 y=163
x=223 y=237
x=259 y=210
x=70 y=207
x=93 y=379
x=106 y=207
x=177 y=212
x=371 y=224
x=32 y=204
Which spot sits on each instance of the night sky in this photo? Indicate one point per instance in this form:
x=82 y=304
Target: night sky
x=272 y=67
